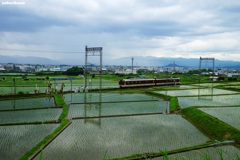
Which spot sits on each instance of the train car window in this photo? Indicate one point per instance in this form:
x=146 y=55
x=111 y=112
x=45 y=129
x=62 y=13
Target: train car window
x=121 y=82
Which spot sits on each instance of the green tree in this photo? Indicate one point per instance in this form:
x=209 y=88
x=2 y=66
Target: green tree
x=74 y=71
x=141 y=71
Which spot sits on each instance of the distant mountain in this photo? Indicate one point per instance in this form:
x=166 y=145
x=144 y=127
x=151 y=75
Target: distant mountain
x=164 y=61
x=125 y=61
x=26 y=60
x=233 y=67
x=173 y=65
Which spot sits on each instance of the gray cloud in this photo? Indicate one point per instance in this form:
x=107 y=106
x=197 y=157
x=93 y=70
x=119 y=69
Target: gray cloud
x=124 y=28
x=19 y=20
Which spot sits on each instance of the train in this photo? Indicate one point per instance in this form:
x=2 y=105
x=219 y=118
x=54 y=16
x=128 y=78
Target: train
x=124 y=83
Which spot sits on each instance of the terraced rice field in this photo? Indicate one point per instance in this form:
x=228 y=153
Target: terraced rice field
x=121 y=136
x=208 y=84
x=221 y=101
x=228 y=115
x=98 y=138
x=106 y=109
x=216 y=84
x=105 y=97
x=196 y=92
x=94 y=85
x=17 y=140
x=27 y=103
x=40 y=115
x=26 y=87
x=223 y=152
x=234 y=87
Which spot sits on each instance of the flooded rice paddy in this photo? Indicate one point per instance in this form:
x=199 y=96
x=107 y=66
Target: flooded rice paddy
x=27 y=103
x=121 y=108
x=196 y=92
x=105 y=97
x=221 y=101
x=213 y=153
x=122 y=136
x=18 y=139
x=228 y=115
x=25 y=116
x=92 y=135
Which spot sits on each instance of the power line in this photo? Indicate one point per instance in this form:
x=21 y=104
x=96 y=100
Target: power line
x=19 y=50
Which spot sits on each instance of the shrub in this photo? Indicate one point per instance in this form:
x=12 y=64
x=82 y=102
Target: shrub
x=20 y=92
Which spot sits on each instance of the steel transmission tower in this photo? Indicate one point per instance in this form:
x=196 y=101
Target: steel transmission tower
x=93 y=51
x=206 y=60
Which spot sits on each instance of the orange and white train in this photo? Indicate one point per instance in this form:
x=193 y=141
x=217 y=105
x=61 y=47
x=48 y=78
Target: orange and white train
x=148 y=82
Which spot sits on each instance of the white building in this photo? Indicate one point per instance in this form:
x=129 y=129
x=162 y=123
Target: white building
x=125 y=71
x=233 y=74
x=1 y=68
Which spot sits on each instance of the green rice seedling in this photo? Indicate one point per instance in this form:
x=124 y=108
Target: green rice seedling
x=221 y=152
x=18 y=139
x=107 y=109
x=165 y=154
x=123 y=136
x=40 y=115
x=41 y=154
x=105 y=154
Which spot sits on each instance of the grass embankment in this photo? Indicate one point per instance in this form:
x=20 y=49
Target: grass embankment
x=174 y=106
x=64 y=123
x=165 y=154
x=45 y=141
x=209 y=125
x=22 y=96
x=59 y=101
x=214 y=128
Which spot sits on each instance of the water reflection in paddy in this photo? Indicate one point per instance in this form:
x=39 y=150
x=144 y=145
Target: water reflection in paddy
x=122 y=136
x=106 y=109
x=105 y=97
x=196 y=92
x=27 y=103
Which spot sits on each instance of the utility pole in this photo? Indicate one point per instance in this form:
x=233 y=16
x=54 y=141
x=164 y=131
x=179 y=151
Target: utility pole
x=132 y=64
x=14 y=86
x=174 y=66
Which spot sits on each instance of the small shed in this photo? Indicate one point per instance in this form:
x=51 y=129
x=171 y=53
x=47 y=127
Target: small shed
x=213 y=78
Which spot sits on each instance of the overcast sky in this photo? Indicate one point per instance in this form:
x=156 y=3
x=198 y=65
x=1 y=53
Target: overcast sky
x=161 y=28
